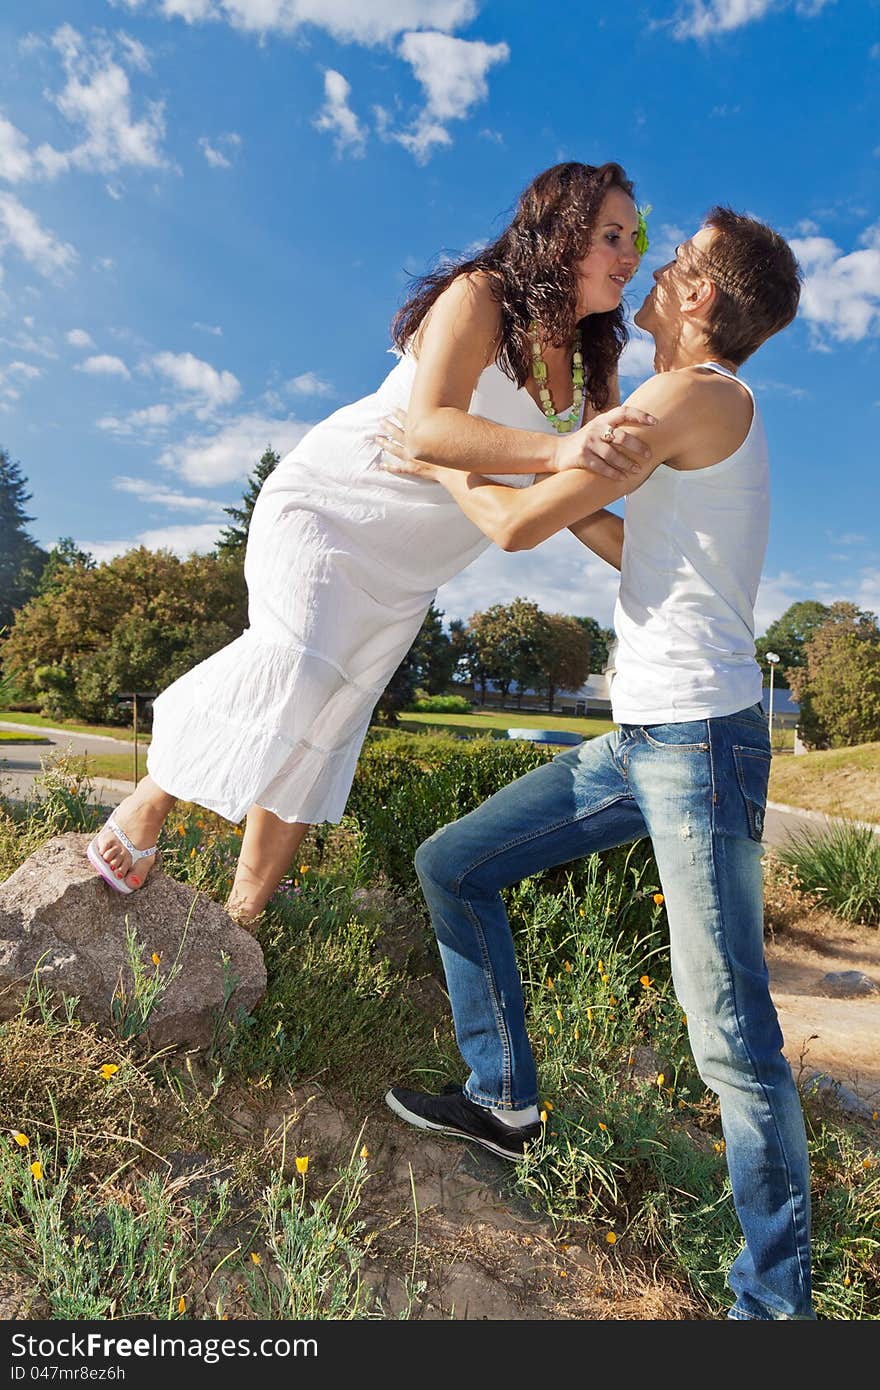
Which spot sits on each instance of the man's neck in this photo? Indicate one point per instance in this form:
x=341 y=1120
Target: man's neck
x=675 y=356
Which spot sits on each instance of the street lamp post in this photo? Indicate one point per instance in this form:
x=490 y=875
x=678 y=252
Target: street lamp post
x=772 y=660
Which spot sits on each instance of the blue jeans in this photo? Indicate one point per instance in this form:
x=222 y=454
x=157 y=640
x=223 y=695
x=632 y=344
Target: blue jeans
x=699 y=790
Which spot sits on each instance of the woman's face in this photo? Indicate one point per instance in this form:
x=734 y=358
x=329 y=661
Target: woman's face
x=612 y=260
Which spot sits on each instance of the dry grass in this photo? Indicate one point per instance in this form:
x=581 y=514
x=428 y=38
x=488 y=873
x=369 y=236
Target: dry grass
x=837 y=781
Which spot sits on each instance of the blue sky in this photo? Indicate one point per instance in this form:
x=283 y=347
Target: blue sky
x=210 y=210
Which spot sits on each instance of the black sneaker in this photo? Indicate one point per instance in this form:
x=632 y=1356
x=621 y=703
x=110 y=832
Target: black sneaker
x=452 y=1113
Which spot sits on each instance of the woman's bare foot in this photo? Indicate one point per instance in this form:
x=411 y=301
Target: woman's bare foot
x=141 y=815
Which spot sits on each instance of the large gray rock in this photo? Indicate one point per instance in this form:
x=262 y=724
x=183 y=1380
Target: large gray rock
x=56 y=912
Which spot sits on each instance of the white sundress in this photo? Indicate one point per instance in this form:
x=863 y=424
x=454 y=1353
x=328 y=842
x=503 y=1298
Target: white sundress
x=342 y=563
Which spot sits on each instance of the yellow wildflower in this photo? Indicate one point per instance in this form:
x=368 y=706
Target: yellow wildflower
x=577 y=1033
x=37 y=1170
x=192 y=853
x=605 y=979
x=568 y=966
x=551 y=1028
x=563 y=1274
x=603 y=1126
x=156 y=958
x=660 y=1079
x=581 y=912
x=181 y=1304
x=543 y=1117
x=559 y=1014
x=365 y=1152
x=21 y=1139
x=645 y=981
x=867 y=1163
x=600 y=967
x=847 y=1281
x=109 y=1069
x=257 y=1259
x=302 y=1165
x=550 y=982
x=547 y=1104
x=658 y=899
x=611 y=1237
x=181 y=829
x=589 y=1015
x=612 y=999
x=303 y=868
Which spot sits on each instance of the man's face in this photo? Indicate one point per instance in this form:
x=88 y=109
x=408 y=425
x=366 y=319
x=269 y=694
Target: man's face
x=674 y=281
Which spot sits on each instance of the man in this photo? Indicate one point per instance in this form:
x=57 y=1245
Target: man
x=687 y=766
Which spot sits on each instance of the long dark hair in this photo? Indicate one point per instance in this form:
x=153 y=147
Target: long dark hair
x=532 y=271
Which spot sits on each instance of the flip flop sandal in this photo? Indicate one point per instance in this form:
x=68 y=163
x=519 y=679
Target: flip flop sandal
x=93 y=855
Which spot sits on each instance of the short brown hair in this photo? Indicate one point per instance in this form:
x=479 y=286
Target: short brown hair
x=757 y=279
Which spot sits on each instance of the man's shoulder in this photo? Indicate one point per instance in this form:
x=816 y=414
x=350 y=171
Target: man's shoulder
x=699 y=412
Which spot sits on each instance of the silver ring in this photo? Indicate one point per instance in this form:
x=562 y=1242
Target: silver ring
x=608 y=434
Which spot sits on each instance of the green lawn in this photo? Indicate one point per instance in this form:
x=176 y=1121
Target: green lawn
x=8 y=736
x=495 y=722
x=40 y=721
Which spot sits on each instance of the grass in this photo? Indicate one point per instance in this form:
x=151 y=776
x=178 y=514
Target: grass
x=836 y=781
x=840 y=868
x=495 y=722
x=8 y=737
x=42 y=721
x=154 y=1201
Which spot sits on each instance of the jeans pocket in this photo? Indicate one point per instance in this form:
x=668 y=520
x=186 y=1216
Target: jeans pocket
x=687 y=737
x=753 y=775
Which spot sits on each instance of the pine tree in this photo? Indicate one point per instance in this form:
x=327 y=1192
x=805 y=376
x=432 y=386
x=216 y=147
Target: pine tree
x=233 y=539
x=21 y=559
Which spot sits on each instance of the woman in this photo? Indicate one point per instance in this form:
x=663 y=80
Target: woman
x=344 y=558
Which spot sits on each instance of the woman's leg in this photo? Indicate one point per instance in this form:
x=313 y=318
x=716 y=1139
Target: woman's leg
x=267 y=848
x=141 y=816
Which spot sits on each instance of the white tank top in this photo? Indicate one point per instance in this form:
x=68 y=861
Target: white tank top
x=693 y=552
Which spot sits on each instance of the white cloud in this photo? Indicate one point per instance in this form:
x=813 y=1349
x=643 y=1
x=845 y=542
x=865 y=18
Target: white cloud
x=637 y=358
x=26 y=370
x=308 y=384
x=97 y=100
x=216 y=153
x=78 y=337
x=16 y=161
x=560 y=575
x=103 y=365
x=146 y=423
x=20 y=229
x=701 y=18
x=233 y=452
x=209 y=328
x=181 y=540
x=153 y=495
x=452 y=73
x=337 y=116
x=209 y=388
x=840 y=297
x=352 y=21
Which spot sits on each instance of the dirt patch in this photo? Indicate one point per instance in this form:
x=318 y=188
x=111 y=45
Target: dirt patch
x=824 y=1032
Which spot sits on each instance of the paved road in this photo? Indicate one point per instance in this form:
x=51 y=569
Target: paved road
x=20 y=762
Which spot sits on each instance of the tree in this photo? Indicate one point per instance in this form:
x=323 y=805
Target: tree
x=62 y=557
x=21 y=559
x=564 y=655
x=506 y=639
x=136 y=622
x=838 y=689
x=468 y=665
x=233 y=539
x=788 y=636
x=433 y=654
x=600 y=640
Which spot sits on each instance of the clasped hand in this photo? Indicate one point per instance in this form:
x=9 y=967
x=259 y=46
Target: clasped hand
x=601 y=446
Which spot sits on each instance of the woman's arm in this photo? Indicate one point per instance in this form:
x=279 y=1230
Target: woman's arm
x=458 y=340
x=602 y=532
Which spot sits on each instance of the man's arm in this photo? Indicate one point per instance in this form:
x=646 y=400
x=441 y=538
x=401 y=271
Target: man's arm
x=602 y=532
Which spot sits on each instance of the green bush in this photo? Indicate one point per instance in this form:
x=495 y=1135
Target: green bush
x=840 y=867
x=441 y=704
x=408 y=785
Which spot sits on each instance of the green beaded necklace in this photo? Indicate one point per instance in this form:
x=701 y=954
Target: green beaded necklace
x=566 y=422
